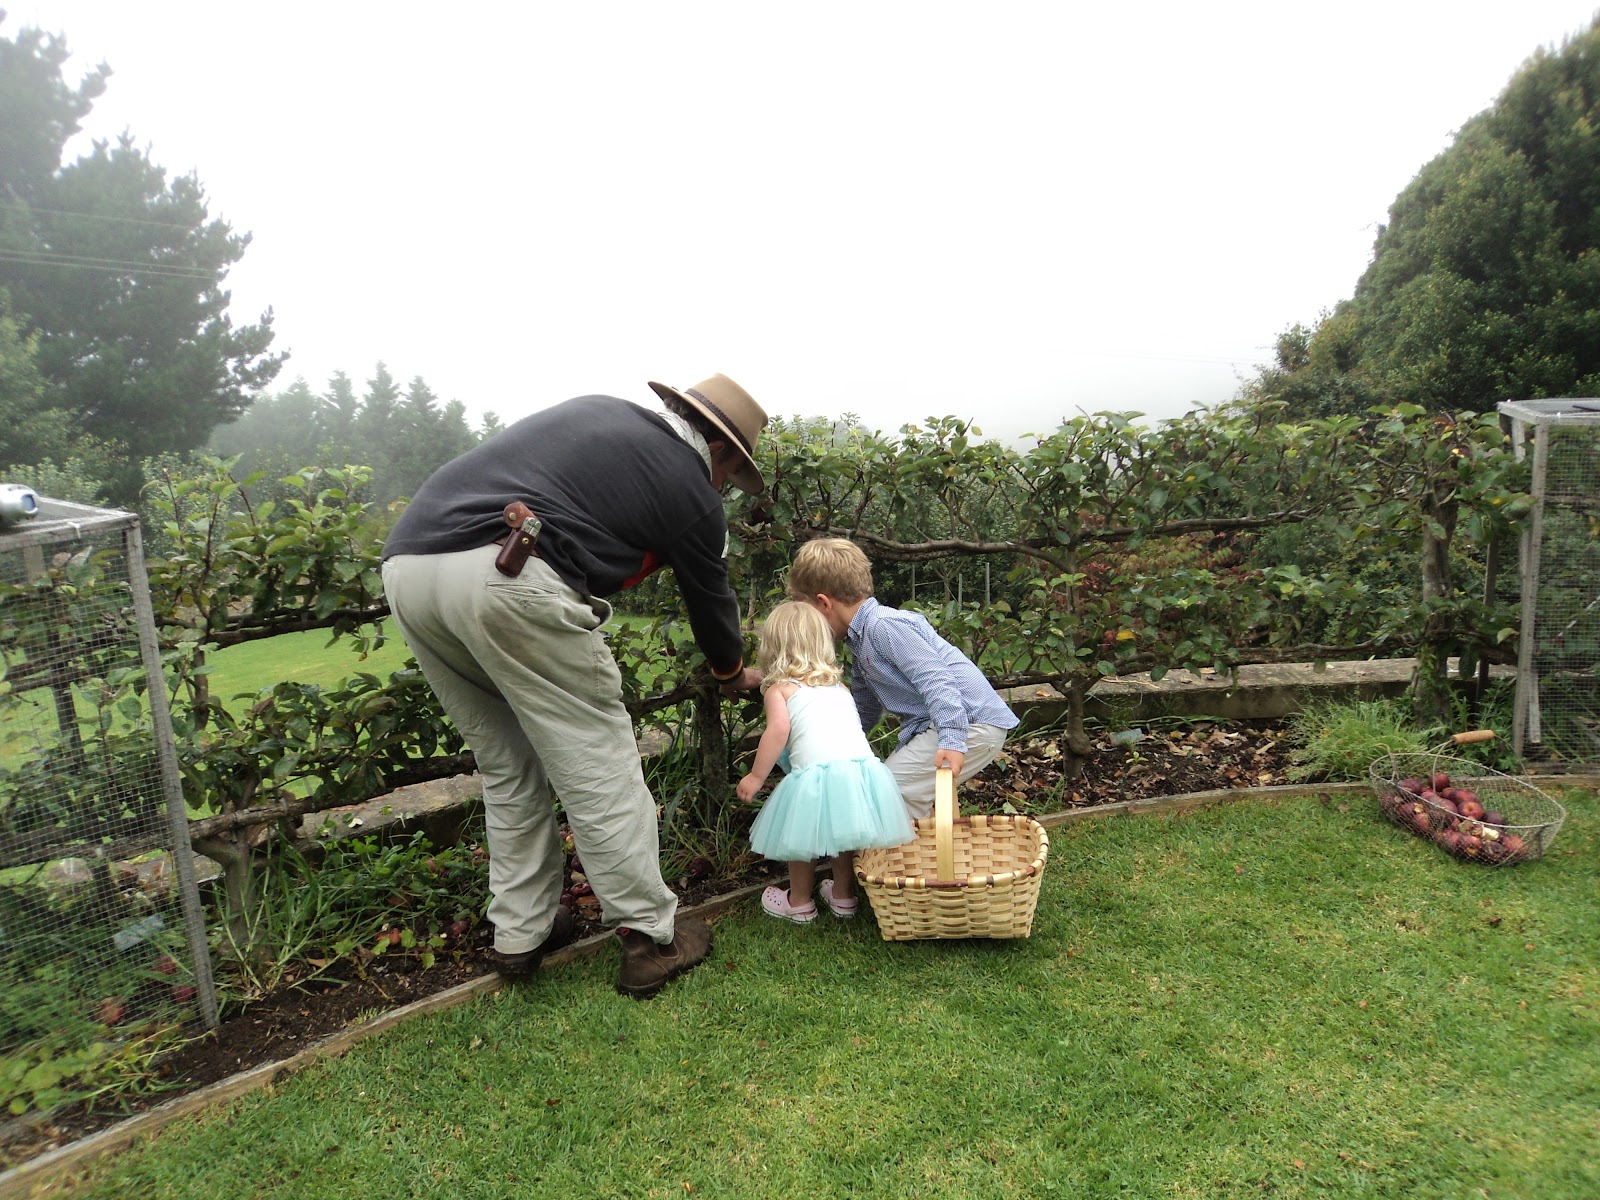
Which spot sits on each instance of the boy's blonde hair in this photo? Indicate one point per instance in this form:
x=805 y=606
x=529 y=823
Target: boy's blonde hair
x=797 y=647
x=835 y=567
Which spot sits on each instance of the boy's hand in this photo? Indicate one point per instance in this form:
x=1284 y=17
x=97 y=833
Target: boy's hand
x=748 y=787
x=949 y=758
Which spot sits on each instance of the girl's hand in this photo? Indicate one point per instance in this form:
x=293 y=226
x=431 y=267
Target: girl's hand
x=749 y=786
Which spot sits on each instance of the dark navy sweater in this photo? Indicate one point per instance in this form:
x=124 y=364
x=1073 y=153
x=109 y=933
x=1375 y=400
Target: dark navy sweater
x=620 y=494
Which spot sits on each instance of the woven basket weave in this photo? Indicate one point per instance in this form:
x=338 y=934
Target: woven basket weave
x=962 y=877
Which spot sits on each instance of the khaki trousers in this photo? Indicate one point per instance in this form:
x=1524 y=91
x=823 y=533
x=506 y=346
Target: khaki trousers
x=912 y=764
x=522 y=669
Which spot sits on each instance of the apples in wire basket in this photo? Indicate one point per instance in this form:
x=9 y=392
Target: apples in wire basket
x=1468 y=810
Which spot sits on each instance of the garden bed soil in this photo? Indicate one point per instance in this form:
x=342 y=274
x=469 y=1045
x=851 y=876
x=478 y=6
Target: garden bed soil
x=1031 y=776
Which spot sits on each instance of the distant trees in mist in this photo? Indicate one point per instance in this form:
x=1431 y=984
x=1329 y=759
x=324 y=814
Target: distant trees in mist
x=402 y=434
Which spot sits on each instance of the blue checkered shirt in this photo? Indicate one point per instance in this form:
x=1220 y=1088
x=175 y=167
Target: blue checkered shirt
x=899 y=663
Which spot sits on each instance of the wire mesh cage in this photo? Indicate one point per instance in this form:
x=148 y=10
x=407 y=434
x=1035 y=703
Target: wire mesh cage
x=1557 y=716
x=1465 y=808
x=101 y=929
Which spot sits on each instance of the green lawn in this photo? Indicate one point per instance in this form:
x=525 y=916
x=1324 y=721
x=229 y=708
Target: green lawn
x=301 y=658
x=1274 y=998
x=308 y=658
x=244 y=669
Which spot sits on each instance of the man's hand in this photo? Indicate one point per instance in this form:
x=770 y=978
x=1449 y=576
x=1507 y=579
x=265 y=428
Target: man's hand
x=747 y=680
x=949 y=758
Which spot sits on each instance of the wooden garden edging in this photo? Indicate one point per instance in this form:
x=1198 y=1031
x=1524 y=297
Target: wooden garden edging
x=40 y=1175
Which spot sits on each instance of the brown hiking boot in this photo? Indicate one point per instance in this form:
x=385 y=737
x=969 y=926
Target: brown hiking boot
x=647 y=965
x=514 y=968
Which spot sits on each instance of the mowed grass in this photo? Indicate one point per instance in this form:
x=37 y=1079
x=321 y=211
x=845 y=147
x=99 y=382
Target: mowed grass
x=251 y=667
x=1275 y=997
x=306 y=657
x=310 y=658
x=242 y=670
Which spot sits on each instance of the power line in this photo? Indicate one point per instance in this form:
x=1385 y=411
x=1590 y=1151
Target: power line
x=24 y=208
x=110 y=266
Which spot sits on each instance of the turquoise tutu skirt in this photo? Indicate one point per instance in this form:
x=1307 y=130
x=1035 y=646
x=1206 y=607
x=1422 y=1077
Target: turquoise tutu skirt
x=830 y=807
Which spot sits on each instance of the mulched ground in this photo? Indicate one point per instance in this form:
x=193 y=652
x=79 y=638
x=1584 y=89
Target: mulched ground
x=1030 y=777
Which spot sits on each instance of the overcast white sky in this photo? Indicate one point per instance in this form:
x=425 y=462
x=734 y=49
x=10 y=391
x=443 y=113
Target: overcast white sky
x=1006 y=211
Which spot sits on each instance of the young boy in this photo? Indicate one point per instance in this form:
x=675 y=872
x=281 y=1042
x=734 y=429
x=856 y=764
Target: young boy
x=949 y=715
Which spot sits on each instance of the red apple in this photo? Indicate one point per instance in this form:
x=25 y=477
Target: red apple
x=1513 y=847
x=1413 y=785
x=1472 y=809
x=182 y=993
x=1494 y=818
x=1440 y=781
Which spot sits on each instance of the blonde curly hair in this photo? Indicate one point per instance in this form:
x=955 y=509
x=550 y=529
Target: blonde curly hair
x=797 y=647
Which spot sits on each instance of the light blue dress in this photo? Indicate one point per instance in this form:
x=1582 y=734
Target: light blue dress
x=837 y=796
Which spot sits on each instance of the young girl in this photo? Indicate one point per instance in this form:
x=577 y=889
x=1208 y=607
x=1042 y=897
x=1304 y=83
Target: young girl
x=837 y=798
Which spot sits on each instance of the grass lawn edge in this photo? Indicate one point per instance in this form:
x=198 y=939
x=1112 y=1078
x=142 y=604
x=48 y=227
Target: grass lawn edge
x=34 y=1177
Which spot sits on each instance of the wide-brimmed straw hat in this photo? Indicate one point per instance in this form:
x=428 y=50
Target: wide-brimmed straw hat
x=730 y=408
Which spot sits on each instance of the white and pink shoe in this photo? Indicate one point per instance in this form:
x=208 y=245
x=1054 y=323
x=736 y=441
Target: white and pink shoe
x=775 y=902
x=842 y=909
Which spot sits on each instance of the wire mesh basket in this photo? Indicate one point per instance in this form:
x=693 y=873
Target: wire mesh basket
x=1468 y=810
x=961 y=877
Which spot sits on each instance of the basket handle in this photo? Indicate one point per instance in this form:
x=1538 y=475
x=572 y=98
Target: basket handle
x=1472 y=735
x=944 y=813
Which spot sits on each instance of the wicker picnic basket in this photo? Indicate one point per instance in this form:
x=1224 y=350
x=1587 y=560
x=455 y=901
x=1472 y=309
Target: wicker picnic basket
x=962 y=877
x=1510 y=821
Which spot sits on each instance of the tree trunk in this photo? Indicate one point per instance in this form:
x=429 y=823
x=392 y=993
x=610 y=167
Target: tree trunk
x=712 y=740
x=1079 y=744
x=200 y=709
x=234 y=853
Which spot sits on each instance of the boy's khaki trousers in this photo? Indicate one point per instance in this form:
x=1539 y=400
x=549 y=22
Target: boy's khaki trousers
x=522 y=669
x=912 y=764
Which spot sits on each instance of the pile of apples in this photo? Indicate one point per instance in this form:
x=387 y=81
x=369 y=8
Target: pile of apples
x=1454 y=819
